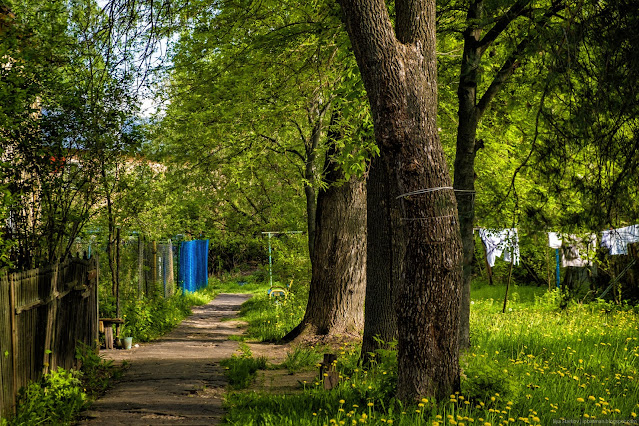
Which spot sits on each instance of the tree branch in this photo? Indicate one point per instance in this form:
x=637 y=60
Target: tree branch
x=283 y=150
x=512 y=62
x=502 y=23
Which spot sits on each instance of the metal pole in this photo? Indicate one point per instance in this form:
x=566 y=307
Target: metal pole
x=557 y=267
x=270 y=261
x=270 y=256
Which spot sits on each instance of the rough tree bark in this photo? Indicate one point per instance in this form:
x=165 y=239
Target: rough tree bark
x=379 y=313
x=338 y=282
x=399 y=72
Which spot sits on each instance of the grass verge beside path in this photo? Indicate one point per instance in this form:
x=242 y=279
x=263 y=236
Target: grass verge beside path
x=535 y=364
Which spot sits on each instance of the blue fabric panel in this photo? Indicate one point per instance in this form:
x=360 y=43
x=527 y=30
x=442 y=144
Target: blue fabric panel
x=194 y=256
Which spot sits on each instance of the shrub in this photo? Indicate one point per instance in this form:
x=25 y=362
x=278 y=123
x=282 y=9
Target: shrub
x=97 y=372
x=56 y=399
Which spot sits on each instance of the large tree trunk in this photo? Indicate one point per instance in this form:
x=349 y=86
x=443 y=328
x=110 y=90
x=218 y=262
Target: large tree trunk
x=380 y=321
x=399 y=73
x=338 y=282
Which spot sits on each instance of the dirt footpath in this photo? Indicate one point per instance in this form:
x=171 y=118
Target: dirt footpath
x=177 y=379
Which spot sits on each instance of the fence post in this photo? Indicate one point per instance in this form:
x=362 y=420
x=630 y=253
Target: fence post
x=14 y=338
x=154 y=266
x=140 y=264
x=52 y=311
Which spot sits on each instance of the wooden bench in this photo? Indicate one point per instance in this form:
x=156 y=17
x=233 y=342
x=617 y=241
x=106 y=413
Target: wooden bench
x=105 y=326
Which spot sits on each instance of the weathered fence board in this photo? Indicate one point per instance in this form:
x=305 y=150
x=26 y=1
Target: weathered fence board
x=44 y=312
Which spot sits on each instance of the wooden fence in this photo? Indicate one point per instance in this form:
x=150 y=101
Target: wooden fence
x=44 y=312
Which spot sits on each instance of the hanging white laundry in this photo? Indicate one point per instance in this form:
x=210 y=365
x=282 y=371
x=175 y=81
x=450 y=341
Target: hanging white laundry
x=553 y=240
x=617 y=240
x=498 y=242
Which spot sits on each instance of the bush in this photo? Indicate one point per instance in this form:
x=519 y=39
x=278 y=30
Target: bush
x=97 y=372
x=56 y=399
x=301 y=358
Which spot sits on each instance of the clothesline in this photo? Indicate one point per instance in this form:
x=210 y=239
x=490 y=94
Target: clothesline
x=577 y=251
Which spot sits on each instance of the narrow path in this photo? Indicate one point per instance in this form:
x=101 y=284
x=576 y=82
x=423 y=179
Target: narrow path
x=177 y=379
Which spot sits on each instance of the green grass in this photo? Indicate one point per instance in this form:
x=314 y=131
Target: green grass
x=301 y=358
x=534 y=364
x=241 y=283
x=150 y=318
x=241 y=369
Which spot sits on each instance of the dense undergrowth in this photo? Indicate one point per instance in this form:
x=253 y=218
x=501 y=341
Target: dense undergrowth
x=60 y=395
x=542 y=361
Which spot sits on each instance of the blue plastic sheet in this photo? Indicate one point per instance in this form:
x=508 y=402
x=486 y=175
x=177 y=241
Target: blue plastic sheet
x=194 y=256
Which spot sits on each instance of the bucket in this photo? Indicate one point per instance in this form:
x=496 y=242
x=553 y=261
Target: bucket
x=127 y=342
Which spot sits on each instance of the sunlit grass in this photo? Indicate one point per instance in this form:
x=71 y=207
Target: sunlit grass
x=535 y=364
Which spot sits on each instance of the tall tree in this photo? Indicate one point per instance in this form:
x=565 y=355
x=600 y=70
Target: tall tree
x=66 y=115
x=289 y=61
x=590 y=156
x=485 y=27
x=398 y=67
x=338 y=280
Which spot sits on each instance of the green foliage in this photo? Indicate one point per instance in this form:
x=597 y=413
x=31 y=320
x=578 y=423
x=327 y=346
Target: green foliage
x=66 y=119
x=241 y=369
x=97 y=373
x=483 y=381
x=534 y=365
x=271 y=318
x=56 y=399
x=301 y=358
x=255 y=283
x=150 y=318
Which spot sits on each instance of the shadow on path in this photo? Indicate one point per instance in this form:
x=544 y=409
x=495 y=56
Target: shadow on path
x=177 y=379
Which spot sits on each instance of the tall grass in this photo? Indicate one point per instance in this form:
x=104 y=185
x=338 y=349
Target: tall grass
x=540 y=362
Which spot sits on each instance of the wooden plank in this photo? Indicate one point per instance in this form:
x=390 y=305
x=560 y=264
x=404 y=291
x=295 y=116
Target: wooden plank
x=29 y=306
x=6 y=360
x=51 y=315
x=140 y=264
x=14 y=339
